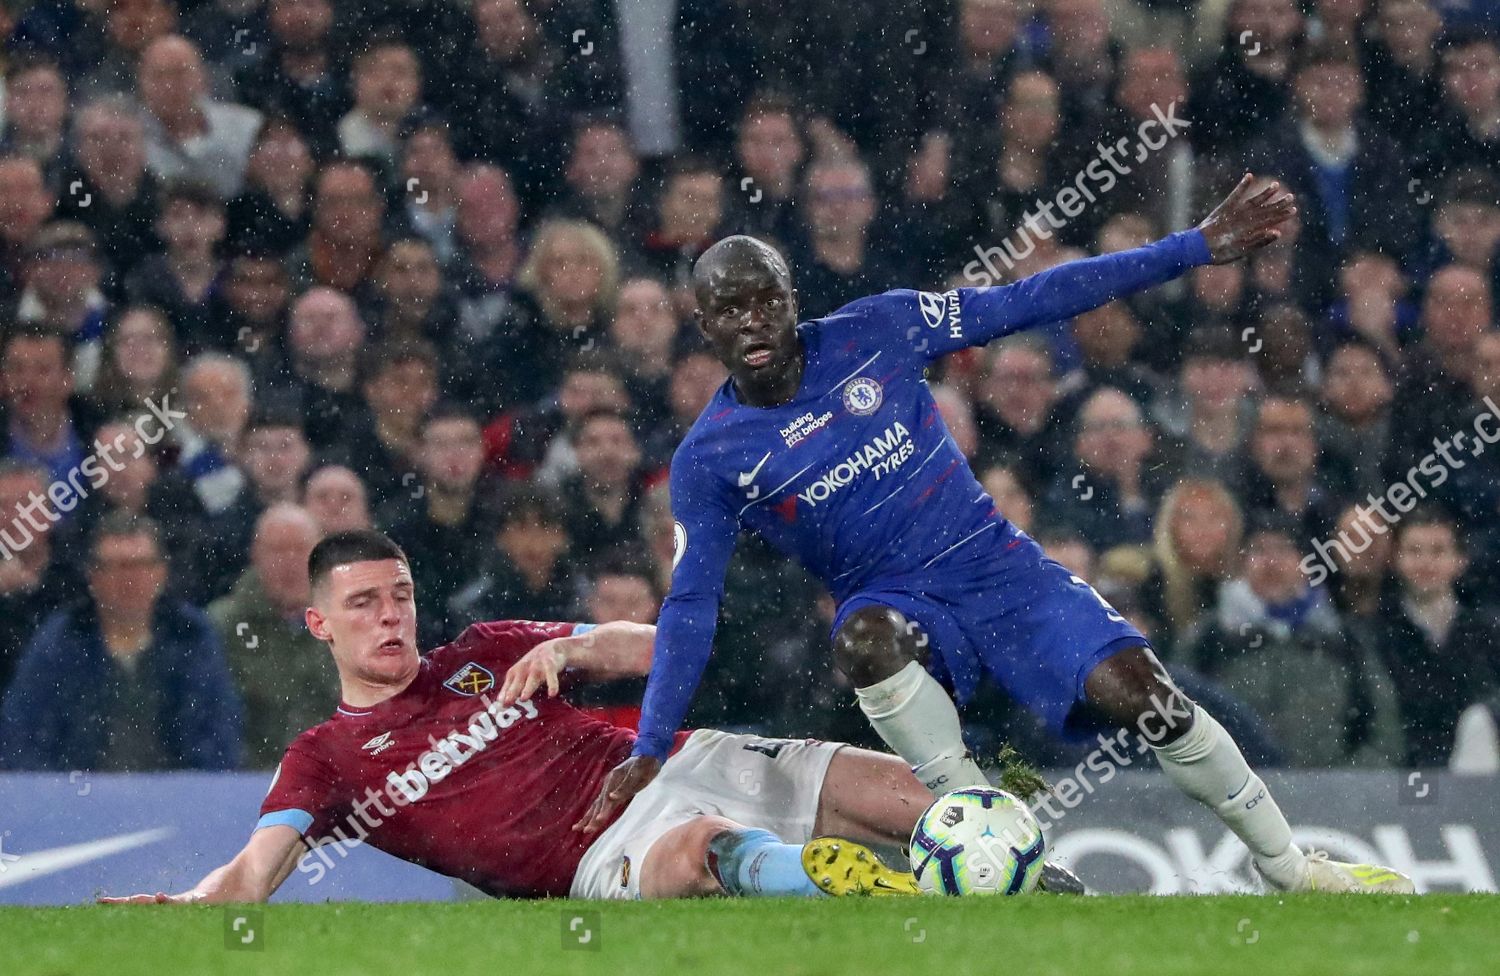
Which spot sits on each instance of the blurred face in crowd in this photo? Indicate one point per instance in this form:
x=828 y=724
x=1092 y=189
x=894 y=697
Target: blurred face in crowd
x=1029 y=116
x=603 y=164
x=1019 y=387
x=1123 y=232
x=126 y=575
x=1456 y=311
x=958 y=417
x=256 y=289
x=133 y=24
x=1329 y=94
x=275 y=458
x=1274 y=23
x=451 y=453
x=109 y=140
x=692 y=205
x=347 y=210
x=645 y=323
x=16 y=491
x=1075 y=555
x=280 y=161
x=608 y=455
x=1203 y=528
x=284 y=538
x=170 y=78
x=216 y=397
x=128 y=484
x=840 y=201
x=1214 y=384
x=1218 y=287
x=37 y=375
x=336 y=498
x=36 y=104
x=1080 y=27
x=586 y=390
x=1429 y=560
x=505 y=28
x=621 y=596
x=533 y=543
x=1369 y=563
x=989 y=28
x=142 y=347
x=1356 y=386
x=695 y=378
x=24 y=200
x=366 y=612
x=1010 y=496
x=409 y=277
x=1408 y=28
x=325 y=327
x=387 y=83
x=1283 y=445
x=1470 y=230
x=1471 y=77
x=404 y=387
x=1107 y=335
x=1486 y=375
x=429 y=158
x=187 y=225
x=1112 y=437
x=300 y=25
x=1151 y=76
x=64 y=274
x=1271 y=567
x=770 y=148
x=487 y=209
x=571 y=272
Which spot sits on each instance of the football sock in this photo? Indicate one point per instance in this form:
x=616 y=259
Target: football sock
x=756 y=863
x=917 y=719
x=1207 y=766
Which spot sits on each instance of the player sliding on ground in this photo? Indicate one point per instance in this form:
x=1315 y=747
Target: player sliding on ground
x=435 y=761
x=826 y=441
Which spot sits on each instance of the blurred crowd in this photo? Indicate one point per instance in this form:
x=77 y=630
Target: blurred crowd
x=274 y=268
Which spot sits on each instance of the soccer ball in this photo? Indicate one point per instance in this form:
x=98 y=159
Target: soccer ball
x=977 y=841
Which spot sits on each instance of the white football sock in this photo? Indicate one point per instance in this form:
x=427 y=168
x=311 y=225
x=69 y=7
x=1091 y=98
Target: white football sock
x=917 y=719
x=1207 y=766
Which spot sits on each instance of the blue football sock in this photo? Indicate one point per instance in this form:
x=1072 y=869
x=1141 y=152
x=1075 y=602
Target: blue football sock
x=756 y=863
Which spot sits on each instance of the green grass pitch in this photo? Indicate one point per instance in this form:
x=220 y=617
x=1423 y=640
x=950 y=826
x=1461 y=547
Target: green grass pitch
x=1037 y=936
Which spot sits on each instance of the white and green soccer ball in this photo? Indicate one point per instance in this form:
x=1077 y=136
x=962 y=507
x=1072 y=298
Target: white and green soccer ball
x=977 y=841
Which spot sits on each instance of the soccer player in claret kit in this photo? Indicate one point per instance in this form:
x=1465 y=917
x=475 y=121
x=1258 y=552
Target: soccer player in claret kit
x=825 y=441
x=454 y=761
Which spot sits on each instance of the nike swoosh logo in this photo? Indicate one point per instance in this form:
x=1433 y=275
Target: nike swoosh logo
x=748 y=476
x=882 y=883
x=1236 y=792
x=39 y=864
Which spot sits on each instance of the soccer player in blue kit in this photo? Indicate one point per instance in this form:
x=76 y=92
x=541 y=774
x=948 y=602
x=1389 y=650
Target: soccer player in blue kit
x=826 y=441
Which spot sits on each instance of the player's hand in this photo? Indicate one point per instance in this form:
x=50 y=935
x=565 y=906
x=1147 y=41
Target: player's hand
x=160 y=898
x=1247 y=220
x=620 y=786
x=543 y=664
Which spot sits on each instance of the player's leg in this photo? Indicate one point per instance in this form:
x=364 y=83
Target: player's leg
x=1132 y=689
x=870 y=796
x=876 y=647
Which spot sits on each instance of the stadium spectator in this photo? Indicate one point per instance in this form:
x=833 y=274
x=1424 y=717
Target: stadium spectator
x=299 y=77
x=251 y=319
x=399 y=382
x=36 y=114
x=411 y=301
x=26 y=204
x=603 y=182
x=1110 y=491
x=1355 y=419
x=430 y=172
x=216 y=395
x=336 y=497
x=1439 y=647
x=62 y=294
x=347 y=235
x=1018 y=408
x=769 y=152
x=644 y=333
x=1287 y=470
x=188 y=133
x=324 y=336
x=1278 y=645
x=1245 y=90
x=1106 y=339
x=602 y=500
x=285 y=678
x=689 y=215
x=33 y=581
x=1196 y=544
x=44 y=421
x=839 y=261
x=1468 y=133
x=1361 y=586
x=572 y=275
x=695 y=377
x=386 y=80
x=139 y=362
x=1433 y=398
x=272 y=213
x=106 y=185
x=527 y=573
x=158 y=693
x=1011 y=496
x=184 y=278
x=619 y=588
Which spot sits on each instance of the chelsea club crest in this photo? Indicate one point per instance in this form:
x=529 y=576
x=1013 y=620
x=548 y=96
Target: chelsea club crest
x=863 y=396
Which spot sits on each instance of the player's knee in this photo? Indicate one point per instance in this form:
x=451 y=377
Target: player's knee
x=1133 y=689
x=872 y=644
x=676 y=866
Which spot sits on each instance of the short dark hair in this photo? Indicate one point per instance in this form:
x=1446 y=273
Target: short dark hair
x=1427 y=514
x=393 y=352
x=350 y=546
x=117 y=524
x=193 y=192
x=521 y=503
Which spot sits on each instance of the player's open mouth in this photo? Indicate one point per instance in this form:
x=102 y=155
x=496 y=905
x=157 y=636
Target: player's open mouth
x=392 y=644
x=758 y=356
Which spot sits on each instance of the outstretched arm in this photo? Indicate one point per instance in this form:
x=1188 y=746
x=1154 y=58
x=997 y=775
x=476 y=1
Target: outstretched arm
x=1247 y=220
x=256 y=871
x=618 y=649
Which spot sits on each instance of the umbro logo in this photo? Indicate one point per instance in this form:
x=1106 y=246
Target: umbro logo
x=379 y=744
